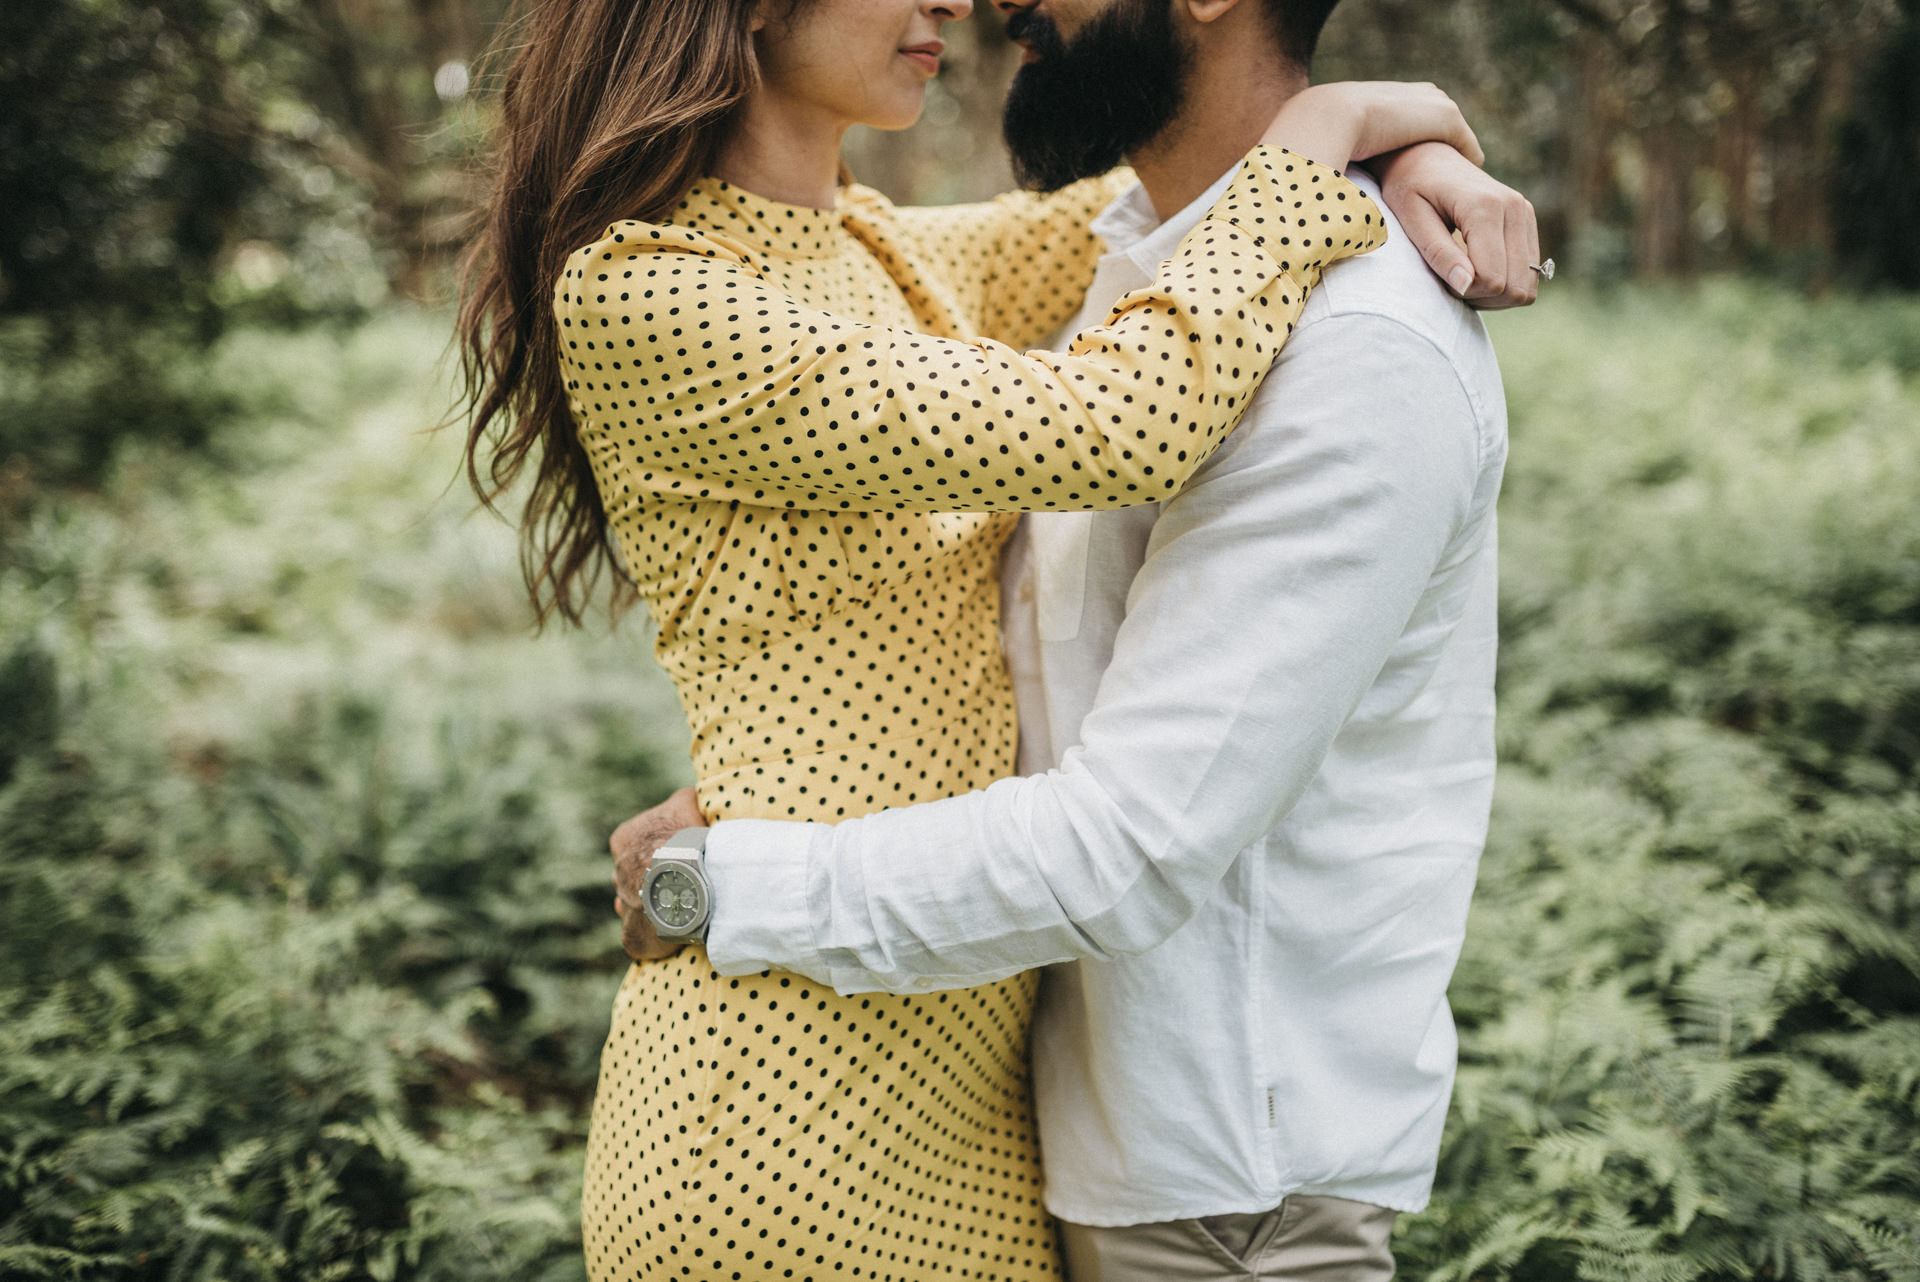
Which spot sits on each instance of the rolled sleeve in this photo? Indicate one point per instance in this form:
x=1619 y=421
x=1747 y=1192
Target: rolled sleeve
x=758 y=870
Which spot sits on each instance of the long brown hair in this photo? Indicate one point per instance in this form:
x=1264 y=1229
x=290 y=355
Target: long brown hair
x=611 y=109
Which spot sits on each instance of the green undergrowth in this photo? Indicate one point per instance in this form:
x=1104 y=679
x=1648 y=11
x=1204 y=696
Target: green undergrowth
x=1690 y=1001
x=305 y=949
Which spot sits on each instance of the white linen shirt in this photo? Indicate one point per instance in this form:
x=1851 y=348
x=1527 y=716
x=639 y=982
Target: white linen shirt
x=1264 y=713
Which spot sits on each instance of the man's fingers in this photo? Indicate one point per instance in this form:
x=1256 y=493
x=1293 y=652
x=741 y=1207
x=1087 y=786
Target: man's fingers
x=639 y=941
x=629 y=870
x=634 y=841
x=637 y=937
x=652 y=826
x=632 y=845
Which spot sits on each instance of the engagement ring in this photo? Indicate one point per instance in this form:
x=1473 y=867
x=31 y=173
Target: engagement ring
x=1545 y=269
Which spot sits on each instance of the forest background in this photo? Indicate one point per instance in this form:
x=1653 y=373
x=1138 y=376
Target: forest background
x=305 y=956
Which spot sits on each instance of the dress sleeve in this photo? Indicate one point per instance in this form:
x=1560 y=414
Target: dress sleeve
x=1022 y=261
x=691 y=376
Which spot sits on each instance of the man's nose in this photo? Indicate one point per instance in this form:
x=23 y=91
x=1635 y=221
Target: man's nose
x=1011 y=7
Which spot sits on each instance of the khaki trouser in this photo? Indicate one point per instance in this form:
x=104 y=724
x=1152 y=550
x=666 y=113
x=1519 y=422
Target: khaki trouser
x=1304 y=1239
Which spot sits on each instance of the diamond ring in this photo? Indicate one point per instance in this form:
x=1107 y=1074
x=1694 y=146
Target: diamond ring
x=1545 y=269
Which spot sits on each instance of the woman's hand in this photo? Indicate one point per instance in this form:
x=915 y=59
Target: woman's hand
x=1337 y=124
x=1435 y=192
x=633 y=844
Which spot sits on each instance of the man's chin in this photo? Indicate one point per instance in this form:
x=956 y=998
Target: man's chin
x=1043 y=159
x=1075 y=110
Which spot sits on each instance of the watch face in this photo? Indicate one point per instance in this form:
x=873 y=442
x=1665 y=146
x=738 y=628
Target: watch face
x=675 y=899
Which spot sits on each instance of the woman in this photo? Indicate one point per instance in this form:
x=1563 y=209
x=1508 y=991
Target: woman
x=751 y=389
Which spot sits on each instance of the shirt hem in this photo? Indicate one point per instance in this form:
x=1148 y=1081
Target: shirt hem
x=1122 y=1217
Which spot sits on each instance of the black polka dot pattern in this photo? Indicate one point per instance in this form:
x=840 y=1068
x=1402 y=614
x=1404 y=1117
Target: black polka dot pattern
x=810 y=477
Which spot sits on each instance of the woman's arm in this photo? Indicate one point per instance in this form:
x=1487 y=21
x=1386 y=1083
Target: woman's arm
x=693 y=377
x=1435 y=187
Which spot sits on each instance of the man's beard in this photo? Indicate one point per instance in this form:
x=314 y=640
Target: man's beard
x=1082 y=106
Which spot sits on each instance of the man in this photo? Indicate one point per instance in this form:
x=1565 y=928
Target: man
x=1257 y=721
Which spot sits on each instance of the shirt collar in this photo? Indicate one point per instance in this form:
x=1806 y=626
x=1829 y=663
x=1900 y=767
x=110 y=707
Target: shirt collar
x=1130 y=226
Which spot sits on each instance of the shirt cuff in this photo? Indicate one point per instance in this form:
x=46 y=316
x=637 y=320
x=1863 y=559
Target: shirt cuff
x=758 y=871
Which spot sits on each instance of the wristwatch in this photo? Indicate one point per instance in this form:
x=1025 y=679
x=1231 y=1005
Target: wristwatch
x=676 y=895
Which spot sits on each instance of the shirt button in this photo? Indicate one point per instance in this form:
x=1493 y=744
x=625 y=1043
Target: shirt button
x=923 y=983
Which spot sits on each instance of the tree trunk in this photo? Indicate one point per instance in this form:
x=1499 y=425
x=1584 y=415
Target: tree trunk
x=1591 y=179
x=1737 y=147
x=1663 y=236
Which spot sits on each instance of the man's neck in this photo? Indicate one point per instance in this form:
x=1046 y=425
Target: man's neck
x=1228 y=108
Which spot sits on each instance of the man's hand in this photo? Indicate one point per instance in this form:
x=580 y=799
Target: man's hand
x=1435 y=191
x=633 y=844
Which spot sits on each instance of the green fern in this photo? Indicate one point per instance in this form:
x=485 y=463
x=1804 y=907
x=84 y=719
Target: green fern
x=305 y=953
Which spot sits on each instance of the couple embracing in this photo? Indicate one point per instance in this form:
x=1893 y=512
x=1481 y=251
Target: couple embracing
x=1207 y=735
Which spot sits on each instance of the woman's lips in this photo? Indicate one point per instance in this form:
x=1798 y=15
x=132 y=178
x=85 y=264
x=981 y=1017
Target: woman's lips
x=925 y=59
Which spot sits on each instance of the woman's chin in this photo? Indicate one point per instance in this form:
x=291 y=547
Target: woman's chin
x=903 y=113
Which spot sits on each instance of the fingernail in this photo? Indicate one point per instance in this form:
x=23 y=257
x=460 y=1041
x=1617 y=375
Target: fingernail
x=1460 y=279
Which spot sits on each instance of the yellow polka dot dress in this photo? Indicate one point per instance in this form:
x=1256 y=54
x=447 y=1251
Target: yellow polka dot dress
x=810 y=465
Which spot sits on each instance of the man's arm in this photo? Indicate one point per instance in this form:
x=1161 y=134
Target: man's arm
x=1274 y=589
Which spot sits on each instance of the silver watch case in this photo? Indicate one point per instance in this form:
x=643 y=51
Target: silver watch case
x=675 y=895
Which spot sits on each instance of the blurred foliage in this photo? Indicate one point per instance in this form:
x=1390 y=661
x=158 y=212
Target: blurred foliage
x=305 y=949
x=127 y=171
x=1690 y=1004
x=1880 y=175
x=305 y=946
x=1664 y=137
x=305 y=954
x=125 y=162
x=175 y=165
x=177 y=161
x=172 y=166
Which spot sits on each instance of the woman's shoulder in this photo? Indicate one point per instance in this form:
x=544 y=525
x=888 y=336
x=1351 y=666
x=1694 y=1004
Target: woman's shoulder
x=633 y=237
x=632 y=245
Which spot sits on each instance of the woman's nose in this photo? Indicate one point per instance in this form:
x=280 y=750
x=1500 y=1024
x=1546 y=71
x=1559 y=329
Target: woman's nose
x=952 y=10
